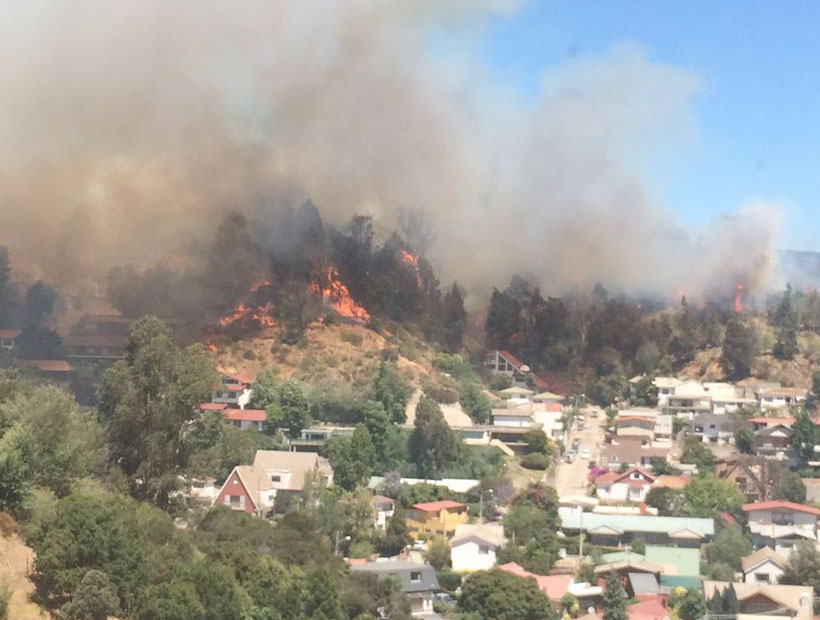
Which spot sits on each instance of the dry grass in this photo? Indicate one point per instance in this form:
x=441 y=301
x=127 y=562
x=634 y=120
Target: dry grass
x=15 y=559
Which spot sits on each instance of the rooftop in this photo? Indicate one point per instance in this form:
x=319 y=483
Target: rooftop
x=675 y=527
x=444 y=504
x=780 y=505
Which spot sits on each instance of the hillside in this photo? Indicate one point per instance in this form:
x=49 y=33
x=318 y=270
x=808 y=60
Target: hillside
x=327 y=354
x=15 y=560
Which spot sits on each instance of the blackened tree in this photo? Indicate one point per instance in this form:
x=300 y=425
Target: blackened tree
x=453 y=320
x=503 y=320
x=739 y=348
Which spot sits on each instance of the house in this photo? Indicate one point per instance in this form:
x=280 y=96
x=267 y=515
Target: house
x=781 y=524
x=233 y=391
x=474 y=546
x=761 y=423
x=517 y=395
x=556 y=586
x=679 y=566
x=548 y=398
x=780 y=397
x=747 y=472
x=688 y=397
x=629 y=486
x=512 y=417
x=383 y=507
x=504 y=363
x=204 y=408
x=635 y=426
x=666 y=387
x=712 y=428
x=98 y=338
x=763 y=566
x=436 y=519
x=619 y=530
x=202 y=488
x=273 y=481
x=760 y=599
x=728 y=398
x=667 y=481
x=418 y=581
x=551 y=421
x=632 y=452
x=7 y=338
x=245 y=419
x=773 y=442
x=58 y=371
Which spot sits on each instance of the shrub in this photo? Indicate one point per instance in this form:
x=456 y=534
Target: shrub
x=249 y=355
x=448 y=580
x=352 y=337
x=8 y=525
x=535 y=460
x=5 y=597
x=443 y=390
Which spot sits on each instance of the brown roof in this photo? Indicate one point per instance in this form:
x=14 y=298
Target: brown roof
x=671 y=482
x=628 y=448
x=45 y=365
x=9 y=334
x=753 y=559
x=784 y=391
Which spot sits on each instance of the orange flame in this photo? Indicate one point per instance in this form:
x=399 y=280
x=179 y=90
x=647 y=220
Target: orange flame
x=412 y=261
x=738 y=303
x=336 y=295
x=251 y=316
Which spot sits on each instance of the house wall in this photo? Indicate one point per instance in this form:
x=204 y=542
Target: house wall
x=786 y=517
x=382 y=517
x=233 y=488
x=468 y=556
x=768 y=572
x=442 y=524
x=514 y=421
x=421 y=603
x=620 y=491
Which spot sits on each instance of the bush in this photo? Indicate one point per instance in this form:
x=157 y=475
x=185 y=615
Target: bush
x=444 y=390
x=448 y=580
x=5 y=597
x=535 y=460
x=352 y=337
x=8 y=525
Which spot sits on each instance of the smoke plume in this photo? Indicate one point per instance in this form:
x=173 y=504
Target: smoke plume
x=130 y=128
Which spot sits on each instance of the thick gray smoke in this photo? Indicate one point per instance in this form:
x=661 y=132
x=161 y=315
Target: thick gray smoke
x=129 y=128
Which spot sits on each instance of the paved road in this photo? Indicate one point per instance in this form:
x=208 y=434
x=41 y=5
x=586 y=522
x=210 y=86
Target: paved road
x=571 y=478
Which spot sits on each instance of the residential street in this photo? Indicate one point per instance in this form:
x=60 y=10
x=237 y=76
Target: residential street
x=571 y=478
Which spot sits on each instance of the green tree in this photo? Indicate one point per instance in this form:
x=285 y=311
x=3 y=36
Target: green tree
x=667 y=501
x=294 y=407
x=15 y=473
x=614 y=601
x=744 y=440
x=453 y=320
x=378 y=424
x=397 y=535
x=432 y=443
x=785 y=318
x=730 y=602
x=728 y=547
x=691 y=605
x=537 y=441
x=94 y=599
x=474 y=402
x=696 y=452
x=217 y=590
x=146 y=401
x=175 y=600
x=353 y=458
x=739 y=348
x=706 y=494
x=322 y=597
x=39 y=302
x=804 y=437
x=786 y=484
x=498 y=595
x=265 y=389
x=275 y=591
x=803 y=567
x=438 y=554
x=391 y=391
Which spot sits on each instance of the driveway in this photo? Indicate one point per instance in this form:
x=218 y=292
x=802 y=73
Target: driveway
x=571 y=478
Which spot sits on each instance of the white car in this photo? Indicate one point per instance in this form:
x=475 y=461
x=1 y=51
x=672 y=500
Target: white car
x=585 y=453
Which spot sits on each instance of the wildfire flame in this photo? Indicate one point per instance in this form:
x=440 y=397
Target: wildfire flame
x=336 y=295
x=738 y=303
x=251 y=316
x=412 y=261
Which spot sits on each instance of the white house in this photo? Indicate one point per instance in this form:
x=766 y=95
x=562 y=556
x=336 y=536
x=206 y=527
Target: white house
x=629 y=486
x=233 y=391
x=521 y=418
x=781 y=525
x=778 y=398
x=551 y=421
x=763 y=566
x=383 y=508
x=474 y=546
x=665 y=386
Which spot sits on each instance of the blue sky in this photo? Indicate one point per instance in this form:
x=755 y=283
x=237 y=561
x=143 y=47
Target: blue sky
x=758 y=111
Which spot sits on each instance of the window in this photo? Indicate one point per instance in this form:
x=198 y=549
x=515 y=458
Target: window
x=782 y=518
x=275 y=478
x=234 y=500
x=415 y=576
x=762 y=577
x=483 y=549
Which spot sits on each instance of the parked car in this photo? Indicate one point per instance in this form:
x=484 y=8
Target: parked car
x=594 y=413
x=570 y=456
x=582 y=426
x=585 y=453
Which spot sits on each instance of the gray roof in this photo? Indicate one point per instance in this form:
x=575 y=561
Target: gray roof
x=403 y=570
x=643 y=583
x=671 y=526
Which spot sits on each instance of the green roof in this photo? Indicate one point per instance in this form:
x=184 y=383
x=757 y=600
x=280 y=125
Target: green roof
x=675 y=527
x=677 y=561
x=517 y=390
x=678 y=581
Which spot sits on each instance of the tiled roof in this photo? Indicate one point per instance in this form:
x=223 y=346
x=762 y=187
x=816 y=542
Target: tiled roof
x=245 y=415
x=756 y=558
x=444 y=504
x=780 y=505
x=9 y=334
x=512 y=359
